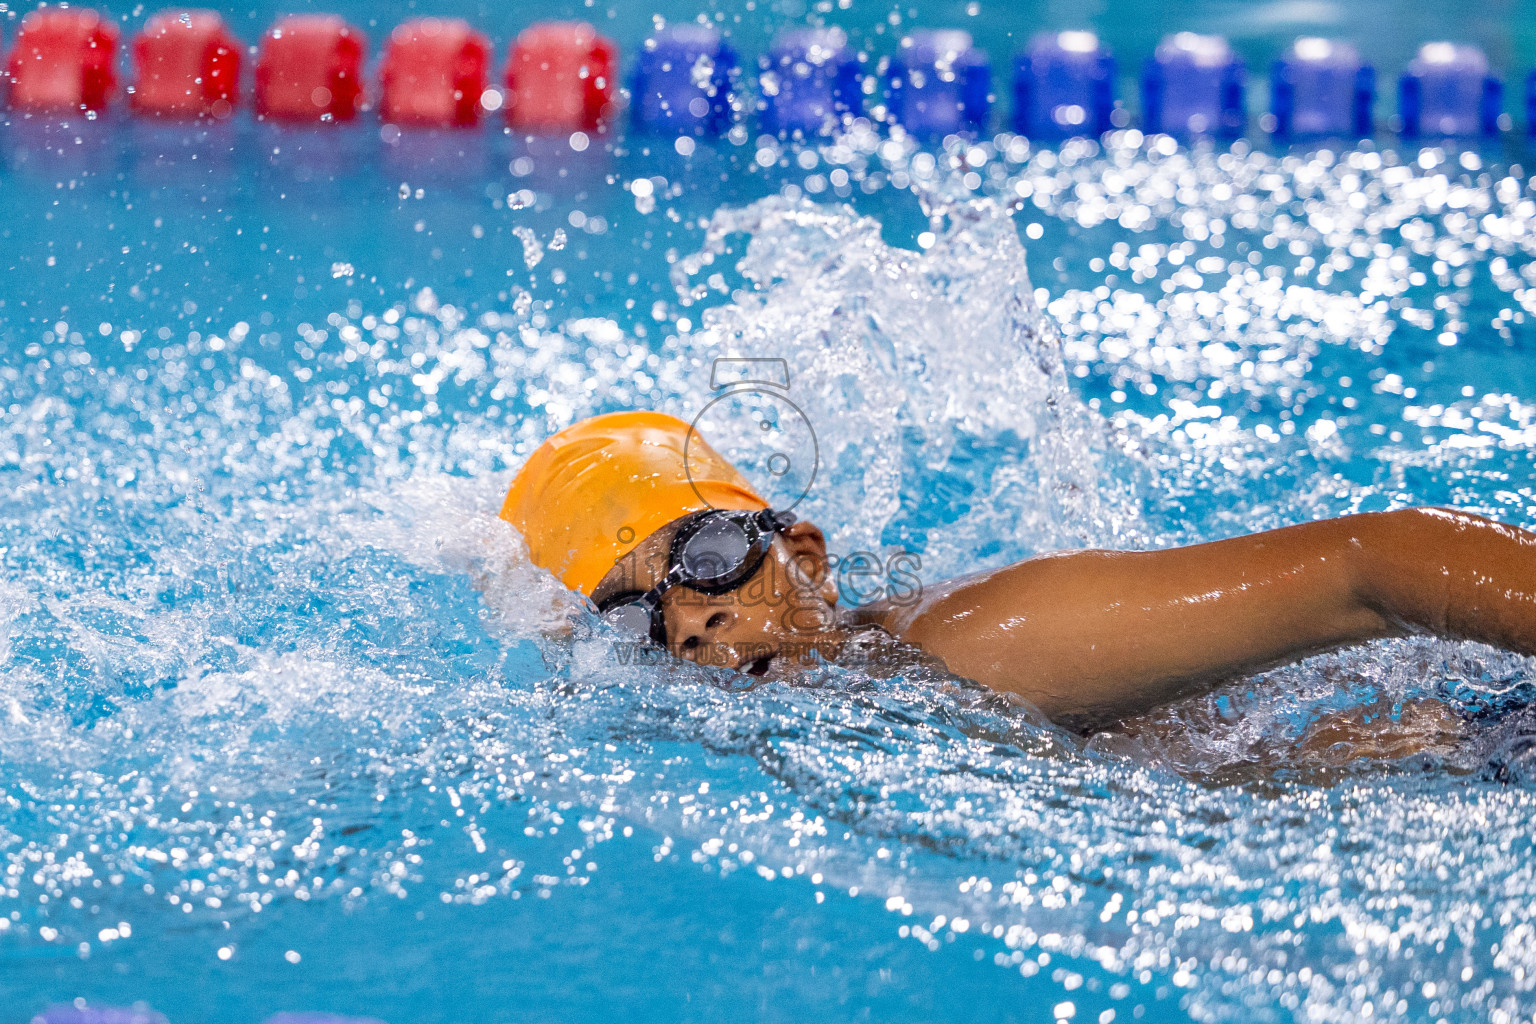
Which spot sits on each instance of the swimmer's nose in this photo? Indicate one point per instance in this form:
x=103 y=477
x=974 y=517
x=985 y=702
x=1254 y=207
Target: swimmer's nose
x=698 y=634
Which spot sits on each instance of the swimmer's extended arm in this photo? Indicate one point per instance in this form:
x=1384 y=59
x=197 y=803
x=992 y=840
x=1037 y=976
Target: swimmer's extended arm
x=1092 y=636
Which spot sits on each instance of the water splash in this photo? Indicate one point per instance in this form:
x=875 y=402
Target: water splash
x=932 y=366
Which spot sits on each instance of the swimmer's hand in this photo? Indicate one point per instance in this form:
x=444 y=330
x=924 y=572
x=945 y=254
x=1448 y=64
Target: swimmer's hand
x=1378 y=732
x=1092 y=636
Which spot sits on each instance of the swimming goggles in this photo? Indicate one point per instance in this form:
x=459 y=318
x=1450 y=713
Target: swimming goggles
x=713 y=551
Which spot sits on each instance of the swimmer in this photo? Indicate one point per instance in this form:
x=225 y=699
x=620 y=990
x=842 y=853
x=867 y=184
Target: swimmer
x=685 y=553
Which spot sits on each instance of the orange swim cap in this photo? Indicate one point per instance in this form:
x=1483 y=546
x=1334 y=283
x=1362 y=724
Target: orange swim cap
x=591 y=493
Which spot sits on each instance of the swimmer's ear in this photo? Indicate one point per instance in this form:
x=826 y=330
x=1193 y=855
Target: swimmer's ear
x=808 y=550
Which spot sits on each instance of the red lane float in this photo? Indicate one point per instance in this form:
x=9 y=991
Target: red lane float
x=310 y=69
x=435 y=71
x=560 y=78
x=64 y=61
x=188 y=66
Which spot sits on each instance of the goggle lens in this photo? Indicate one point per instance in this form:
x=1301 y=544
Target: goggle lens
x=633 y=617
x=716 y=553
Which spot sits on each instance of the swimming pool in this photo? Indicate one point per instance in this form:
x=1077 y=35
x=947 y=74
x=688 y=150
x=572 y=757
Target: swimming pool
x=280 y=726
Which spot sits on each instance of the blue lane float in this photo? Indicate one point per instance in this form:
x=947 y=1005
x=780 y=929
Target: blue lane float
x=1063 y=85
x=1321 y=87
x=939 y=83
x=1448 y=90
x=810 y=82
x=1193 y=85
x=684 y=81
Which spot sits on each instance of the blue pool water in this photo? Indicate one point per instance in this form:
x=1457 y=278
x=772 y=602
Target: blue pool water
x=288 y=723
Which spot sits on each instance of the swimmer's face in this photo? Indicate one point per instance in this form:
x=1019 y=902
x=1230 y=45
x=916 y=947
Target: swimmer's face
x=782 y=613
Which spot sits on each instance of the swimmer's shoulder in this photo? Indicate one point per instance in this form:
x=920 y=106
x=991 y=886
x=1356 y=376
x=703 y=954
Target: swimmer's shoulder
x=901 y=616
x=932 y=612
